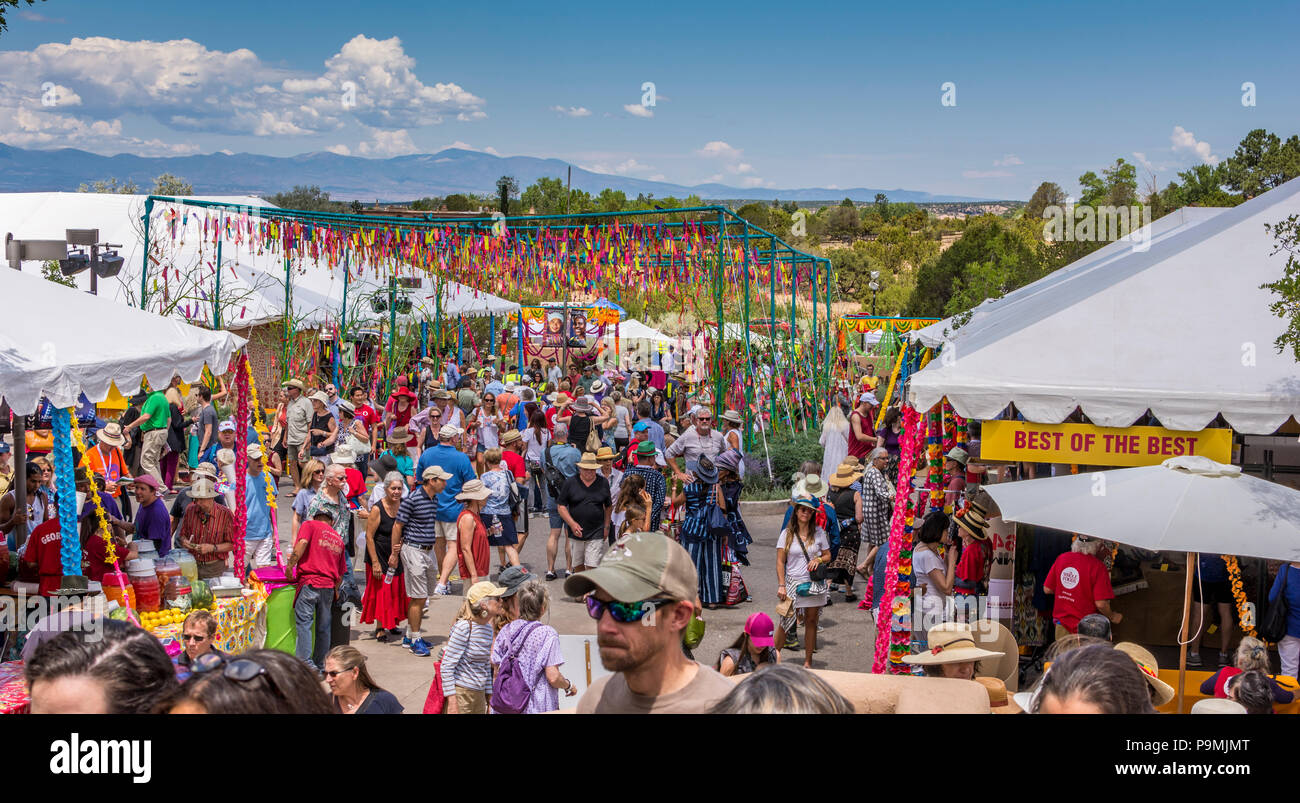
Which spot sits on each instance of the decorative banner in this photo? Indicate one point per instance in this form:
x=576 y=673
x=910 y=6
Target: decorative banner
x=1090 y=445
x=862 y=324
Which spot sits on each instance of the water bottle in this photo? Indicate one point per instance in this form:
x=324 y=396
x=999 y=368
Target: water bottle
x=497 y=527
x=389 y=575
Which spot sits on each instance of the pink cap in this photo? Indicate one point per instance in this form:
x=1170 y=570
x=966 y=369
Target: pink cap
x=147 y=479
x=760 y=629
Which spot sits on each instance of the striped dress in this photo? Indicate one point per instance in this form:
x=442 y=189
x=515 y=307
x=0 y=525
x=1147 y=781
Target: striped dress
x=704 y=549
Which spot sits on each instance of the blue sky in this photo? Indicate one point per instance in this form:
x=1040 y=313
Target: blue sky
x=770 y=94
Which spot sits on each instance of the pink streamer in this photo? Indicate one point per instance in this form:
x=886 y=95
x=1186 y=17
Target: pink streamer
x=885 y=615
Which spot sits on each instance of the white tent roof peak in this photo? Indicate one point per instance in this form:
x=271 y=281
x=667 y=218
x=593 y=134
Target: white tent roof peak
x=1181 y=327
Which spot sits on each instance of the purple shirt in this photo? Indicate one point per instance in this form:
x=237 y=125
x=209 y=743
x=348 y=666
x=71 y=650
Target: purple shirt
x=542 y=649
x=155 y=523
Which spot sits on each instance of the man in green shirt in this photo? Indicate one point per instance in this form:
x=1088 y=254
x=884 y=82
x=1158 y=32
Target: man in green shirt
x=155 y=418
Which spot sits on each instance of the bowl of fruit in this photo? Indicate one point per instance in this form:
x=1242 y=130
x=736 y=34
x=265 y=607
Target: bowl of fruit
x=152 y=620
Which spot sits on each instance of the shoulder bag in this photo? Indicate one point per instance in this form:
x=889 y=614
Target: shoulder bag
x=818 y=575
x=1273 y=626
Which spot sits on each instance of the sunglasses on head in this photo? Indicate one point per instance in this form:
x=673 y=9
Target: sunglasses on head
x=242 y=670
x=624 y=612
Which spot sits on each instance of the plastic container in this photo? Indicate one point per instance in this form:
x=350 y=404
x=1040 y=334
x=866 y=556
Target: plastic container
x=118 y=590
x=166 y=570
x=144 y=579
x=145 y=548
x=177 y=594
x=189 y=566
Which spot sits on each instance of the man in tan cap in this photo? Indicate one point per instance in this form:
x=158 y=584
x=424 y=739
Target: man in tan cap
x=297 y=416
x=642 y=597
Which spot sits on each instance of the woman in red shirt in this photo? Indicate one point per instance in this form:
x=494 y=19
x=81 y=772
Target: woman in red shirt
x=471 y=535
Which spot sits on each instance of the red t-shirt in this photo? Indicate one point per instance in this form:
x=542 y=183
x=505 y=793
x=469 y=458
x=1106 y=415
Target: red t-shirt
x=478 y=547
x=970 y=568
x=1078 y=582
x=356 y=483
x=322 y=564
x=368 y=416
x=43 y=546
x=550 y=418
x=515 y=462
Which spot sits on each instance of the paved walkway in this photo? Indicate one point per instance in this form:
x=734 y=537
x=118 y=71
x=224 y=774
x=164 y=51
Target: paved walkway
x=845 y=642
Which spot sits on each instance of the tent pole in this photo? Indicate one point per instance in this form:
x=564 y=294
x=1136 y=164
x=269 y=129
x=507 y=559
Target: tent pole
x=144 y=265
x=460 y=339
x=826 y=355
x=1186 y=637
x=216 y=295
x=492 y=336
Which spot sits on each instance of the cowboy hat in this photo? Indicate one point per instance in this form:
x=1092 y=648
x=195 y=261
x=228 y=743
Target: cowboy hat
x=294 y=383
x=733 y=417
x=812 y=485
x=588 y=461
x=1161 y=692
x=510 y=436
x=1000 y=702
x=473 y=489
x=111 y=434
x=203 y=488
x=597 y=386
x=950 y=643
x=605 y=453
x=845 y=476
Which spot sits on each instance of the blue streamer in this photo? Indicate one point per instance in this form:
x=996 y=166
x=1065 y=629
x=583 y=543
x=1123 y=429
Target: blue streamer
x=65 y=483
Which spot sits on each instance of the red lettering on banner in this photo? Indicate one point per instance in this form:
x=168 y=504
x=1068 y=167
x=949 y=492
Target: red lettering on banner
x=1153 y=445
x=1019 y=439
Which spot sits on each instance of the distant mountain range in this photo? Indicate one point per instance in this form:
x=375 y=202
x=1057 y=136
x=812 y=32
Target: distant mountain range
x=400 y=178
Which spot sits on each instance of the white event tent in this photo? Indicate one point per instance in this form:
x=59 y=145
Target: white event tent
x=1177 y=324
x=252 y=283
x=59 y=343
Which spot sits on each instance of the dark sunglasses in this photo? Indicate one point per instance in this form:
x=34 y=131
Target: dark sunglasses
x=331 y=674
x=192 y=637
x=242 y=670
x=624 y=612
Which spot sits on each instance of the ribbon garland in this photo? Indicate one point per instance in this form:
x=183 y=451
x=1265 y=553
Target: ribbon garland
x=259 y=424
x=66 y=484
x=241 y=461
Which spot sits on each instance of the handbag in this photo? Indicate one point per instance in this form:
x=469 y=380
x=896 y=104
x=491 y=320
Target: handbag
x=1273 y=627
x=435 y=701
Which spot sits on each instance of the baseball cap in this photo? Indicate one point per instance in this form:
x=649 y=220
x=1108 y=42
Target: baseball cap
x=483 y=589
x=5 y=448
x=760 y=629
x=868 y=397
x=640 y=426
x=226 y=426
x=640 y=566
x=433 y=472
x=254 y=451
x=448 y=431
x=147 y=479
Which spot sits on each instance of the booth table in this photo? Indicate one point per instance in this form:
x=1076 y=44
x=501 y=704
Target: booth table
x=241 y=623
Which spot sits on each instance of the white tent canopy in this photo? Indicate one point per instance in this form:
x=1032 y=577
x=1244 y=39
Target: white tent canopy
x=632 y=329
x=252 y=283
x=1181 y=328
x=59 y=343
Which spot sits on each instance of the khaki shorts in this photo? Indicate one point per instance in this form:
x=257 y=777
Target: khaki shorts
x=420 y=570
x=587 y=553
x=471 y=701
x=446 y=529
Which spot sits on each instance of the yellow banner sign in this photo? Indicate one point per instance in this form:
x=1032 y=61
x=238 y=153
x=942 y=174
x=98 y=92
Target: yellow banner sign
x=1099 y=446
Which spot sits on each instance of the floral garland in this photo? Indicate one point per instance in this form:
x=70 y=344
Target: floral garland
x=105 y=530
x=893 y=643
x=241 y=461
x=1239 y=594
x=259 y=424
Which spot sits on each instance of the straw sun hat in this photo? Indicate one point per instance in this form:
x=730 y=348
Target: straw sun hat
x=950 y=643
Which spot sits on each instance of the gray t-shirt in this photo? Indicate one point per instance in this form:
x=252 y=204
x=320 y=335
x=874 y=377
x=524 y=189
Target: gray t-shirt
x=621 y=427
x=610 y=695
x=207 y=417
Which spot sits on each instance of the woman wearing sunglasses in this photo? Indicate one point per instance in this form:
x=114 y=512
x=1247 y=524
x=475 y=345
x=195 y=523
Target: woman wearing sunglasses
x=355 y=692
x=801 y=549
x=313 y=474
x=536 y=647
x=253 y=682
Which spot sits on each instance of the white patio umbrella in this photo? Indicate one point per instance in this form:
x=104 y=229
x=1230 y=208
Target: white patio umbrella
x=1187 y=504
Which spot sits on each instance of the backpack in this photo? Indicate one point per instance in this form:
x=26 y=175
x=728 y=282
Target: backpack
x=511 y=691
x=554 y=477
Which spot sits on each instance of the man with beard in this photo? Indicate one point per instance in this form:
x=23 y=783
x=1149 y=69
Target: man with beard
x=642 y=596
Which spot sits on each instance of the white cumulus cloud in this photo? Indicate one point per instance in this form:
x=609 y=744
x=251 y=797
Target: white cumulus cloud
x=572 y=111
x=1007 y=161
x=720 y=149
x=388 y=143
x=1184 y=140
x=341 y=150
x=637 y=110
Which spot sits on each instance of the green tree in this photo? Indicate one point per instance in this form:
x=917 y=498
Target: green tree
x=1286 y=235
x=355 y=206
x=611 y=200
x=840 y=222
x=507 y=188
x=882 y=205
x=174 y=186
x=993 y=256
x=758 y=214
x=308 y=198
x=545 y=196
x=848 y=202
x=790 y=208
x=1261 y=162
x=1121 y=184
x=427 y=204
x=110 y=186
x=457 y=202
x=1202 y=185
x=1049 y=193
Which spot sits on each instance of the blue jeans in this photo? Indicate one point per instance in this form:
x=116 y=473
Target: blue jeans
x=313 y=603
x=878 y=575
